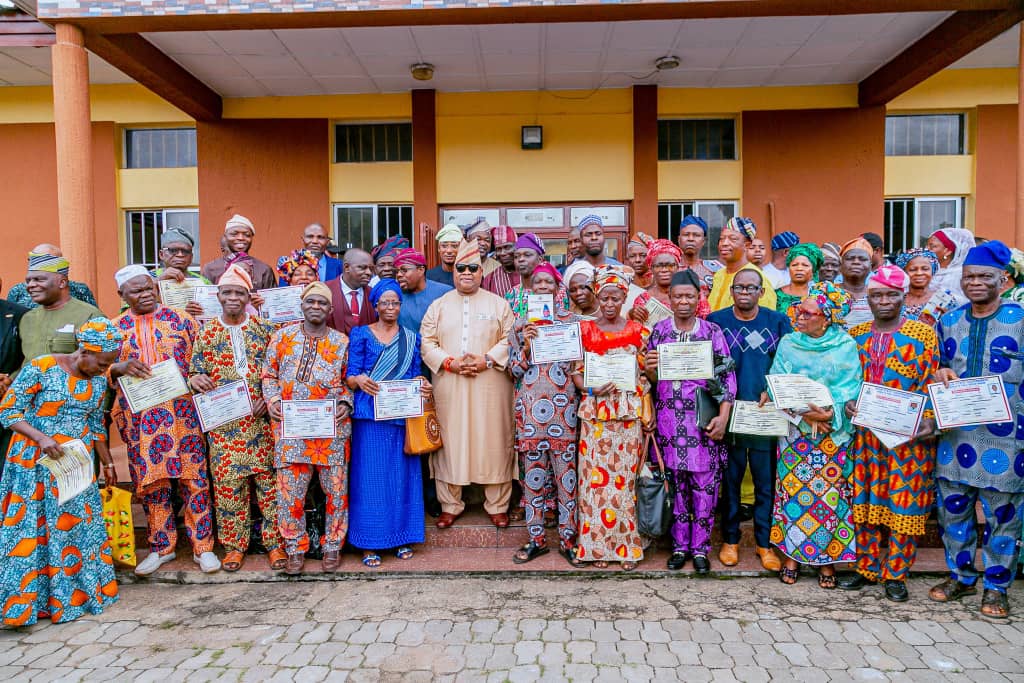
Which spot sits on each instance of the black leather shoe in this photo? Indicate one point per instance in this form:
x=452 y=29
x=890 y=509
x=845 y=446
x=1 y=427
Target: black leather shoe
x=677 y=560
x=701 y=564
x=896 y=591
x=854 y=582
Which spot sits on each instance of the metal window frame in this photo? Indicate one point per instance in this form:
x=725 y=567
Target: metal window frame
x=162 y=213
x=711 y=244
x=735 y=136
x=375 y=208
x=335 y=125
x=131 y=129
x=918 y=201
x=962 y=132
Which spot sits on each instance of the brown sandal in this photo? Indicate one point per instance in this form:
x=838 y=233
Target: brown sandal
x=278 y=559
x=950 y=590
x=789 y=576
x=994 y=604
x=827 y=581
x=233 y=561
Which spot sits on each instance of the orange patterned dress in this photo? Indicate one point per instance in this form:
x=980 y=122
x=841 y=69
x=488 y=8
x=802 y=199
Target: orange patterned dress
x=609 y=454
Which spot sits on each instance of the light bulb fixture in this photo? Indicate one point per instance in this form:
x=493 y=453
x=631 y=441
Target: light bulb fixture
x=422 y=71
x=666 y=63
x=532 y=137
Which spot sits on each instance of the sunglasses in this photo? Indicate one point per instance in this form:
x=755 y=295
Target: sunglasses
x=463 y=267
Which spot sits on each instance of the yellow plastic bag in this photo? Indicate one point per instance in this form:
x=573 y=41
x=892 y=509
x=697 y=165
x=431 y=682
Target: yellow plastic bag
x=117 y=516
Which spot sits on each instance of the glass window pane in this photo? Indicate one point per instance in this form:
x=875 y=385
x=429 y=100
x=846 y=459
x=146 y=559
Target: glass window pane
x=368 y=142
x=187 y=222
x=160 y=148
x=930 y=134
x=933 y=214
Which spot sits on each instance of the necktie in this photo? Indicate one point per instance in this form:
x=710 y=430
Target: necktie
x=353 y=303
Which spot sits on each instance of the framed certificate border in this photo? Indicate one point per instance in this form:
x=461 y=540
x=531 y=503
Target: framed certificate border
x=334 y=422
x=884 y=389
x=415 y=413
x=576 y=355
x=943 y=424
x=230 y=387
x=161 y=368
x=703 y=346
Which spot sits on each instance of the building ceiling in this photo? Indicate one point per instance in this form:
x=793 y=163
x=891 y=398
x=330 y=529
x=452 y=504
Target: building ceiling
x=559 y=56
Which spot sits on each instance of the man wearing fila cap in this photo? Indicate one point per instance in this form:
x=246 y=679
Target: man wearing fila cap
x=239 y=233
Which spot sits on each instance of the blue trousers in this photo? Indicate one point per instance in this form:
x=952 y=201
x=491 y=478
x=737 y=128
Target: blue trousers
x=958 y=525
x=762 y=470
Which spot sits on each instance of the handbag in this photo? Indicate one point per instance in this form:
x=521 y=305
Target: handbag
x=117 y=518
x=653 y=495
x=423 y=433
x=707 y=408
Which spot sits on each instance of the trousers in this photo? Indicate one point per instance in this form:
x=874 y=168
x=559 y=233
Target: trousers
x=496 y=497
x=897 y=560
x=231 y=500
x=693 y=510
x=163 y=527
x=543 y=470
x=957 y=522
x=762 y=473
x=292 y=484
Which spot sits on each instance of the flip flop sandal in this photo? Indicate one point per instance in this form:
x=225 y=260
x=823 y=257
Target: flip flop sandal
x=629 y=566
x=529 y=552
x=233 y=561
x=278 y=559
x=827 y=581
x=600 y=564
x=994 y=605
x=570 y=556
x=404 y=553
x=371 y=560
x=789 y=576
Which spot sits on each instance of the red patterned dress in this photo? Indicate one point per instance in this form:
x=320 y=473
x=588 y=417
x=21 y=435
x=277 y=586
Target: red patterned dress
x=609 y=454
x=242 y=448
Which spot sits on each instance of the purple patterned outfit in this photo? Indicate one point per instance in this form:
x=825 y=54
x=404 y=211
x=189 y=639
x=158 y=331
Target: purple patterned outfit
x=694 y=461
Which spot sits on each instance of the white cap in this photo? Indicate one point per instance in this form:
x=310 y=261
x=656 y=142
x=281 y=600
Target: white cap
x=130 y=273
x=239 y=221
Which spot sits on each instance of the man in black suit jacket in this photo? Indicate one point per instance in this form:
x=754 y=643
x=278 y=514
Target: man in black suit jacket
x=10 y=359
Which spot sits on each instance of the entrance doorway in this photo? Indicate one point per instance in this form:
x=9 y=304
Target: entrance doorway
x=550 y=222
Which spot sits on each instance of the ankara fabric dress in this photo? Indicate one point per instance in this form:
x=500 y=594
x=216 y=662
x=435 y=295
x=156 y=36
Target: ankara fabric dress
x=893 y=490
x=242 y=448
x=609 y=454
x=165 y=442
x=813 y=522
x=475 y=412
x=385 y=484
x=983 y=463
x=695 y=462
x=302 y=367
x=546 y=402
x=55 y=560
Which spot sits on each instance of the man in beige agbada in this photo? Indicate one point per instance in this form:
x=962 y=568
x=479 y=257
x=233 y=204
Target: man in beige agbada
x=465 y=344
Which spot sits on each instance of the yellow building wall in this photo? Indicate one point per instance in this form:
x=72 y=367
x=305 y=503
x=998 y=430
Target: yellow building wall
x=725 y=101
x=386 y=183
x=120 y=103
x=337 y=107
x=163 y=188
x=699 y=180
x=479 y=158
x=958 y=89
x=915 y=176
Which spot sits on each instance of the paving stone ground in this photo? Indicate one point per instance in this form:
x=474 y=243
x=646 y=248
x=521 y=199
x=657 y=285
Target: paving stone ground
x=452 y=628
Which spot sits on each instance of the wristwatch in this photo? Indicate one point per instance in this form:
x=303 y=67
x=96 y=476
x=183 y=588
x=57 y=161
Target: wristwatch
x=490 y=363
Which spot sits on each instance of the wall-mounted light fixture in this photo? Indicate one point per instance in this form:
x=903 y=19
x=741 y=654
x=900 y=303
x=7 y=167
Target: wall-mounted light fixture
x=533 y=137
x=422 y=71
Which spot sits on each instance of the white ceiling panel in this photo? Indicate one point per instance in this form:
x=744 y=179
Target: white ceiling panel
x=570 y=81
x=801 y=75
x=329 y=65
x=31 y=66
x=319 y=42
x=640 y=35
x=703 y=57
x=578 y=37
x=511 y=64
x=511 y=38
x=773 y=31
x=822 y=53
x=514 y=82
x=850 y=28
x=238 y=87
x=287 y=87
x=739 y=78
x=381 y=40
x=338 y=85
x=632 y=62
x=572 y=61
x=1003 y=51
x=687 y=78
x=186 y=43
x=264 y=43
x=264 y=66
x=445 y=40
x=711 y=32
x=750 y=55
x=202 y=66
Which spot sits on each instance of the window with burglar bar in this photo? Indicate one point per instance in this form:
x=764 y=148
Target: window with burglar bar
x=364 y=226
x=671 y=214
x=909 y=221
x=924 y=134
x=159 y=147
x=143 y=230
x=368 y=142
x=696 y=139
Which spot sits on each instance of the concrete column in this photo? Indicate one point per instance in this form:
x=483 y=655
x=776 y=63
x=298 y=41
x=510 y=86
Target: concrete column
x=645 y=160
x=424 y=171
x=1018 y=232
x=73 y=128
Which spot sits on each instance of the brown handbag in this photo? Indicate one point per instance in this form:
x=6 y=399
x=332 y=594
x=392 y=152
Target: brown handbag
x=423 y=433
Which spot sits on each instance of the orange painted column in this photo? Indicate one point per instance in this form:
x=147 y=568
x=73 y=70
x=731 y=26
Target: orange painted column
x=1018 y=232
x=424 y=170
x=645 y=159
x=73 y=129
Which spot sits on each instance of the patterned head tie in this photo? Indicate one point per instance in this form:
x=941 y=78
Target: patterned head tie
x=590 y=219
x=810 y=251
x=661 y=247
x=743 y=226
x=832 y=301
x=287 y=265
x=904 y=258
x=610 y=276
x=47 y=263
x=383 y=286
x=99 y=335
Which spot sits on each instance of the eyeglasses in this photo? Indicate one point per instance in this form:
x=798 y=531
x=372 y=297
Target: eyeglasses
x=750 y=289
x=804 y=314
x=665 y=266
x=389 y=304
x=178 y=252
x=463 y=267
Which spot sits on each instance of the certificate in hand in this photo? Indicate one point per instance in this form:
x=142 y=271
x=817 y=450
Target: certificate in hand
x=540 y=307
x=178 y=294
x=72 y=471
x=164 y=384
x=970 y=401
x=282 y=304
x=224 y=404
x=619 y=369
x=686 y=360
x=556 y=343
x=749 y=418
x=309 y=419
x=795 y=392
x=206 y=296
x=398 y=399
x=656 y=312
x=881 y=408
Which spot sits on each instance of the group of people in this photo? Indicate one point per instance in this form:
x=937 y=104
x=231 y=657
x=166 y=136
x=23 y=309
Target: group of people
x=544 y=443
